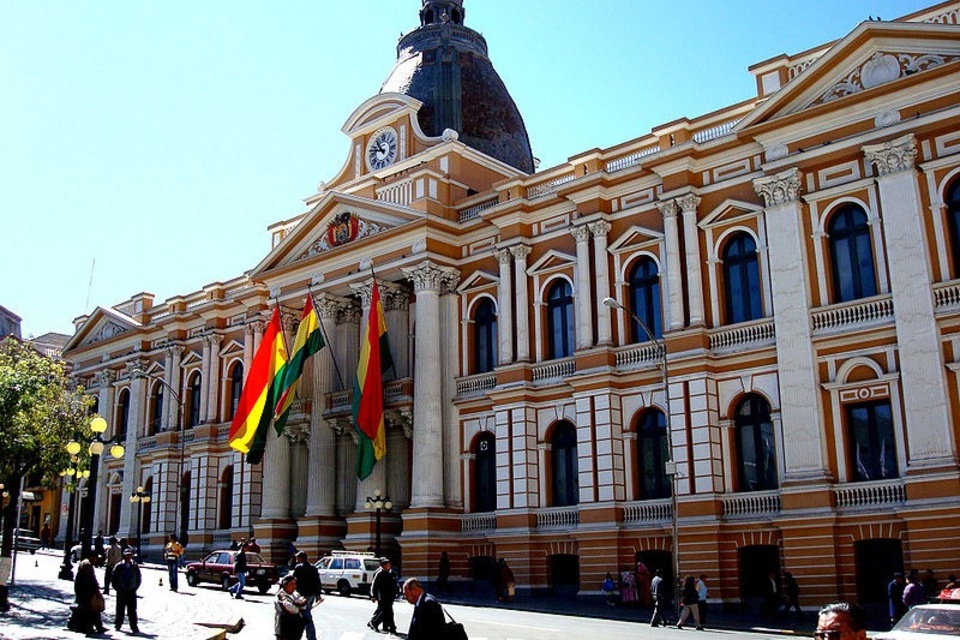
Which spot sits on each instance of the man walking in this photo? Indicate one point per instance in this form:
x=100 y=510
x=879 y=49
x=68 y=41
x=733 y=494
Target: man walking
x=126 y=581
x=308 y=585
x=659 y=592
x=171 y=554
x=114 y=557
x=240 y=567
x=427 y=622
x=383 y=591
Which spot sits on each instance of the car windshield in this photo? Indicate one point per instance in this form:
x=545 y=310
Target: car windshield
x=930 y=620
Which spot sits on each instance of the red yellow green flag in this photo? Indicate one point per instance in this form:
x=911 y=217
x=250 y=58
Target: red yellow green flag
x=368 y=389
x=248 y=432
x=309 y=340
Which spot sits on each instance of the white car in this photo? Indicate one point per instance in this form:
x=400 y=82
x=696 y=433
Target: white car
x=347 y=572
x=926 y=622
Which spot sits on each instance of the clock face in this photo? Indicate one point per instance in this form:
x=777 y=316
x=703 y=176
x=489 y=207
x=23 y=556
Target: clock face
x=382 y=149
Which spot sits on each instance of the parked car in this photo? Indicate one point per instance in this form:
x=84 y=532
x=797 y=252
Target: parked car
x=347 y=572
x=926 y=622
x=25 y=540
x=219 y=567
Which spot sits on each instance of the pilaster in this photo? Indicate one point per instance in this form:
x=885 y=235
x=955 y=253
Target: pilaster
x=674 y=282
x=691 y=247
x=505 y=306
x=601 y=270
x=584 y=322
x=522 y=293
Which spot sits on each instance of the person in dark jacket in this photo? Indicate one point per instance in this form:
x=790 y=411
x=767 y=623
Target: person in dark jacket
x=427 y=622
x=126 y=581
x=86 y=619
x=689 y=598
x=660 y=594
x=383 y=591
x=895 y=606
x=240 y=566
x=308 y=586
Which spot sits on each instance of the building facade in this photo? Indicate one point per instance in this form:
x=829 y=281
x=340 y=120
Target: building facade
x=797 y=254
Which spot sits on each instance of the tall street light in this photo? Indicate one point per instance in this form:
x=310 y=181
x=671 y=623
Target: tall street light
x=378 y=502
x=670 y=465
x=178 y=526
x=97 y=444
x=139 y=498
x=74 y=473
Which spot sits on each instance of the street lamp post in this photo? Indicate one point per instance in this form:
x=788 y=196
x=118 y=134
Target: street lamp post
x=97 y=444
x=74 y=473
x=378 y=502
x=670 y=465
x=140 y=497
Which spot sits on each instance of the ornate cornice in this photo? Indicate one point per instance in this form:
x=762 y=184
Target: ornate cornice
x=881 y=68
x=782 y=188
x=894 y=156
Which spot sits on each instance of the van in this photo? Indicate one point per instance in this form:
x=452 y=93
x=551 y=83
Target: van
x=347 y=572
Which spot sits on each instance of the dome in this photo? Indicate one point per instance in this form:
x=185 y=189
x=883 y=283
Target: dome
x=444 y=65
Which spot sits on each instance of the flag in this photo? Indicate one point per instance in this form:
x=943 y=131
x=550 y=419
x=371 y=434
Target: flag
x=368 y=389
x=309 y=340
x=248 y=432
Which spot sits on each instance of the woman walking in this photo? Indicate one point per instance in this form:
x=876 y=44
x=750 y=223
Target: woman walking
x=689 y=599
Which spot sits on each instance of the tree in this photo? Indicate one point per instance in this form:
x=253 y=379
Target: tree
x=40 y=410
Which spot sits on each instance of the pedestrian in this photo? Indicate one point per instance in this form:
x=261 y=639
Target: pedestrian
x=113 y=558
x=240 y=568
x=505 y=581
x=841 y=621
x=659 y=592
x=702 y=597
x=308 y=585
x=913 y=593
x=609 y=588
x=171 y=554
x=427 y=622
x=689 y=598
x=234 y=545
x=771 y=596
x=791 y=593
x=98 y=544
x=383 y=591
x=45 y=536
x=443 y=578
x=86 y=615
x=628 y=587
x=895 y=606
x=288 y=621
x=126 y=581
x=644 y=583
x=252 y=546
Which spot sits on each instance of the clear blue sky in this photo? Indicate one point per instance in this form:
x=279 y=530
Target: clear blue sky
x=160 y=139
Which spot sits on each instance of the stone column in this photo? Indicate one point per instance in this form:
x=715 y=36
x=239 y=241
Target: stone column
x=505 y=306
x=674 y=281
x=601 y=268
x=691 y=245
x=174 y=410
x=803 y=449
x=584 y=320
x=522 y=297
x=249 y=337
x=106 y=400
x=169 y=401
x=450 y=419
x=922 y=370
x=204 y=377
x=321 y=481
x=276 y=478
x=396 y=309
x=427 y=485
x=211 y=354
x=136 y=428
x=378 y=477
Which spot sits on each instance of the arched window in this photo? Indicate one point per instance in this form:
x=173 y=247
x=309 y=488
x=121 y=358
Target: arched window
x=563 y=465
x=873 y=453
x=226 y=498
x=485 y=336
x=485 y=473
x=652 y=456
x=560 y=320
x=156 y=409
x=741 y=279
x=756 y=448
x=851 y=253
x=645 y=299
x=236 y=386
x=123 y=412
x=195 y=386
x=953 y=221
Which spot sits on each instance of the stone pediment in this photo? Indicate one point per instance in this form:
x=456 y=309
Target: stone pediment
x=729 y=211
x=337 y=221
x=478 y=280
x=552 y=260
x=872 y=56
x=102 y=325
x=636 y=237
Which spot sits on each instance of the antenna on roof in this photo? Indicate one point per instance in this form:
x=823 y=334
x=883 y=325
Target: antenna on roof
x=90 y=285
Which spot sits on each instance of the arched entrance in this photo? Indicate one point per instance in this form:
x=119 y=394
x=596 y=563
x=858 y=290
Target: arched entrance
x=757 y=562
x=564 y=577
x=877 y=560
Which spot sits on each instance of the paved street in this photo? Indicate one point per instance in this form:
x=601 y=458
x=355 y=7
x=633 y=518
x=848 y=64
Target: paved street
x=41 y=608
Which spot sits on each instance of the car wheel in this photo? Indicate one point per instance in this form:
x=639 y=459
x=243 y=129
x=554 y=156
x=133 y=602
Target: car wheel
x=225 y=582
x=343 y=588
x=192 y=579
x=263 y=587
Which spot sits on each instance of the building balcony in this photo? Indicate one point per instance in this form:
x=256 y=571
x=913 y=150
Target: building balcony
x=867 y=312
x=751 y=506
x=648 y=512
x=476 y=384
x=757 y=333
x=558 y=518
x=877 y=494
x=478 y=522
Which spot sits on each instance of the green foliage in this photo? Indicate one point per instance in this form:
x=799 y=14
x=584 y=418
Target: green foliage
x=40 y=411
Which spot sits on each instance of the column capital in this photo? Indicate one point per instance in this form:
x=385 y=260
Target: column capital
x=327 y=305
x=212 y=340
x=289 y=320
x=581 y=233
x=396 y=298
x=668 y=208
x=893 y=156
x=688 y=203
x=105 y=378
x=599 y=228
x=503 y=256
x=429 y=276
x=782 y=188
x=520 y=252
x=174 y=350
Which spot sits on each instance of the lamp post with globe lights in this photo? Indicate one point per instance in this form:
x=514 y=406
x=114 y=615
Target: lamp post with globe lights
x=74 y=473
x=378 y=502
x=670 y=465
x=96 y=447
x=139 y=498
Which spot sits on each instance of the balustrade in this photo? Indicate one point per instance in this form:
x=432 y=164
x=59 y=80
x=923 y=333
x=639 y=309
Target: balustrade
x=879 y=493
x=645 y=353
x=632 y=160
x=648 y=511
x=474 y=522
x=742 y=334
x=554 y=369
x=558 y=518
x=476 y=384
x=866 y=311
x=751 y=505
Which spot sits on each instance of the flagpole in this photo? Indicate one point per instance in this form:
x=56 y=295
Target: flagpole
x=336 y=365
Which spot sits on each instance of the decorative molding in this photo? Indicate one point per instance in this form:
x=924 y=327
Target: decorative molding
x=581 y=233
x=776 y=151
x=503 y=256
x=108 y=331
x=780 y=189
x=429 y=276
x=886 y=118
x=881 y=68
x=894 y=156
x=669 y=208
x=688 y=203
x=344 y=228
x=600 y=228
x=520 y=252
